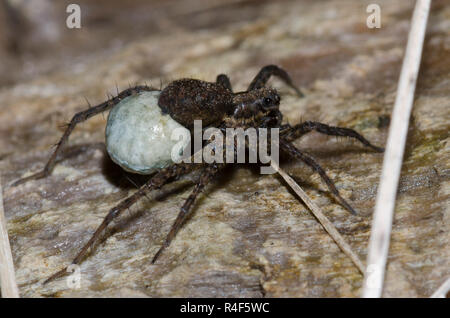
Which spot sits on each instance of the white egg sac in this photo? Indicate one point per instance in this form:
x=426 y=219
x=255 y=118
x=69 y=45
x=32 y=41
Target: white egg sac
x=138 y=134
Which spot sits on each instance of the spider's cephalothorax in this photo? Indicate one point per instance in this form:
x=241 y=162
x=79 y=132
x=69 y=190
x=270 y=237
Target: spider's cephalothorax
x=139 y=127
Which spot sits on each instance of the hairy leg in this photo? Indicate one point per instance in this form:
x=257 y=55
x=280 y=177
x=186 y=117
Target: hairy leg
x=299 y=130
x=224 y=80
x=291 y=150
x=266 y=72
x=156 y=182
x=207 y=174
x=78 y=118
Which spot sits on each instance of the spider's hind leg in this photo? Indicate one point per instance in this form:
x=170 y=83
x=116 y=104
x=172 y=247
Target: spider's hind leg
x=207 y=174
x=292 y=151
x=78 y=118
x=157 y=181
x=266 y=72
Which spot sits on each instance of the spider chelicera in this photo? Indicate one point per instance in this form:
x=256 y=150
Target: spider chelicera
x=180 y=103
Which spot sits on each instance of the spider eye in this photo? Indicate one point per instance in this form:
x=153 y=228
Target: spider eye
x=268 y=101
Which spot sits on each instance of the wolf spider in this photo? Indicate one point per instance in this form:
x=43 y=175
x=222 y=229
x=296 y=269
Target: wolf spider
x=217 y=106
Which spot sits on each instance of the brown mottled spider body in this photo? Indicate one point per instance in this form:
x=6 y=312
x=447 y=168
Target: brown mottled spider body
x=216 y=105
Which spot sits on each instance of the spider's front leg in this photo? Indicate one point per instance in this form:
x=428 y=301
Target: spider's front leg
x=224 y=80
x=266 y=72
x=292 y=151
x=156 y=182
x=78 y=118
x=206 y=176
x=290 y=133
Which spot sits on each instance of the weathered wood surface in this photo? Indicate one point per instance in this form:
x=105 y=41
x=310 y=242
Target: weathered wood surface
x=250 y=236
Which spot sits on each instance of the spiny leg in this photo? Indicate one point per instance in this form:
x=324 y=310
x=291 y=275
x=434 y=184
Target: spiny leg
x=291 y=150
x=157 y=181
x=266 y=72
x=78 y=118
x=308 y=126
x=207 y=174
x=223 y=80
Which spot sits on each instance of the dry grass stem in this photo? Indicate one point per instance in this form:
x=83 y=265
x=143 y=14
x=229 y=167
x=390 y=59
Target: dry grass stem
x=329 y=227
x=392 y=163
x=7 y=277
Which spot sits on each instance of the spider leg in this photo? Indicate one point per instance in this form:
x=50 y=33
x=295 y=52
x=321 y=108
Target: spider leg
x=156 y=182
x=308 y=126
x=266 y=72
x=224 y=80
x=78 y=118
x=291 y=150
x=207 y=174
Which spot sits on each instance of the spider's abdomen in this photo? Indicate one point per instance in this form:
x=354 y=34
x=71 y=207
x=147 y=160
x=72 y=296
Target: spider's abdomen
x=138 y=134
x=186 y=100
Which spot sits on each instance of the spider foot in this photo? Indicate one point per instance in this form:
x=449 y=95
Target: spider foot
x=377 y=149
x=346 y=204
x=40 y=175
x=162 y=248
x=57 y=275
